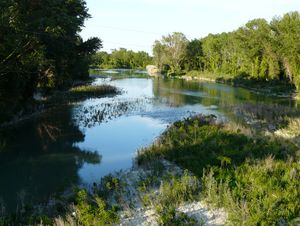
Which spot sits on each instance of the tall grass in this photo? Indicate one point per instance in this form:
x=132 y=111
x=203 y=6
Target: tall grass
x=79 y=93
x=255 y=178
x=173 y=191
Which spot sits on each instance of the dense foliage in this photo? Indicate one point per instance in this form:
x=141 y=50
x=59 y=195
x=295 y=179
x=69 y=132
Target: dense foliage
x=259 y=50
x=169 y=53
x=40 y=48
x=121 y=58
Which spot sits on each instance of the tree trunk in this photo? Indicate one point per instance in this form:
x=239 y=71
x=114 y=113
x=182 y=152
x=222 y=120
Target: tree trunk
x=288 y=70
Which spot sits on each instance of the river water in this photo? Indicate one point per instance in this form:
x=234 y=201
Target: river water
x=80 y=143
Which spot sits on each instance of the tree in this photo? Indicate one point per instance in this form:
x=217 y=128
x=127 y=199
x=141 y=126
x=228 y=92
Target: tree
x=121 y=58
x=194 y=55
x=40 y=48
x=258 y=50
x=287 y=32
x=171 y=51
x=159 y=54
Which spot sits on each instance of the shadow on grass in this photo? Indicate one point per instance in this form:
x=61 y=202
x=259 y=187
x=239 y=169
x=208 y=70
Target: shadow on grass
x=197 y=143
x=274 y=86
x=256 y=179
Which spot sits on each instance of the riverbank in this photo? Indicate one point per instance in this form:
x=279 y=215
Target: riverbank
x=172 y=167
x=43 y=103
x=253 y=176
x=118 y=73
x=267 y=87
x=203 y=172
x=157 y=193
x=198 y=172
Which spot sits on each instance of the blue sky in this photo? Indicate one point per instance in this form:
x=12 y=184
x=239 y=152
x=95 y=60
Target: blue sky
x=136 y=24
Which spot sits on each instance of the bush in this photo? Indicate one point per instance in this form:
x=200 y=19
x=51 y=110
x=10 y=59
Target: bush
x=93 y=211
x=256 y=179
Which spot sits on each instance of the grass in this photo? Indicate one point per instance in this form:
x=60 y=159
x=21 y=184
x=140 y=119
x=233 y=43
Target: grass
x=256 y=179
x=291 y=131
x=292 y=128
x=261 y=192
x=75 y=94
x=270 y=87
x=173 y=191
x=93 y=210
x=199 y=142
x=80 y=208
x=79 y=93
x=92 y=90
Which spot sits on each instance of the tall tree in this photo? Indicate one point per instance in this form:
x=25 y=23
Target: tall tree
x=194 y=55
x=40 y=47
x=174 y=48
x=287 y=32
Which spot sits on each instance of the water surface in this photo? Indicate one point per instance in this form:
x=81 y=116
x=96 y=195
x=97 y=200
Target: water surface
x=80 y=143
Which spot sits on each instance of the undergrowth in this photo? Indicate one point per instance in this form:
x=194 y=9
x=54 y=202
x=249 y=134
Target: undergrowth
x=256 y=179
x=173 y=191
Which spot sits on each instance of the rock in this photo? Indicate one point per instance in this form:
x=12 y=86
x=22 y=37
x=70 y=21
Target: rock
x=153 y=70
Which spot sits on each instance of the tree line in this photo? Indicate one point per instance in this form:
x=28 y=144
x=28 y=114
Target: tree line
x=260 y=50
x=121 y=58
x=41 y=49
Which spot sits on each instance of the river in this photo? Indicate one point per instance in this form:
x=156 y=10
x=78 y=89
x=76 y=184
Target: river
x=79 y=143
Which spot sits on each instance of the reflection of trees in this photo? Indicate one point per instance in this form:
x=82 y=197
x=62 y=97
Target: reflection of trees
x=93 y=114
x=40 y=159
x=238 y=104
x=166 y=88
x=180 y=92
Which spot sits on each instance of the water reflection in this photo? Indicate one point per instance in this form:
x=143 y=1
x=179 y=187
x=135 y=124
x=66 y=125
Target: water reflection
x=117 y=142
x=236 y=104
x=79 y=144
x=40 y=158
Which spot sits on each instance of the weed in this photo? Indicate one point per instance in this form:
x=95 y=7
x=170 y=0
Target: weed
x=256 y=179
x=93 y=210
x=170 y=216
x=111 y=186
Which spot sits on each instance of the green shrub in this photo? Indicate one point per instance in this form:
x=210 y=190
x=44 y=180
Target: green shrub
x=256 y=179
x=263 y=192
x=93 y=211
x=169 y=216
x=199 y=142
x=173 y=191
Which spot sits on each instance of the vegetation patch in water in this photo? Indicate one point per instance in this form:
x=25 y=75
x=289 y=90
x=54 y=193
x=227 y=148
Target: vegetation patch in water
x=88 y=91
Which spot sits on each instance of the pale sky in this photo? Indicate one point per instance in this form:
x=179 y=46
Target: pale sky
x=136 y=24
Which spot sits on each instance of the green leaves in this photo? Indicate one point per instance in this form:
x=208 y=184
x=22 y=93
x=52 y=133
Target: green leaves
x=259 y=51
x=121 y=58
x=170 y=50
x=40 y=49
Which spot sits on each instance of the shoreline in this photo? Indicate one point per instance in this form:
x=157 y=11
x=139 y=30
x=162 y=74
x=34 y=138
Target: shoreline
x=162 y=188
x=221 y=80
x=57 y=98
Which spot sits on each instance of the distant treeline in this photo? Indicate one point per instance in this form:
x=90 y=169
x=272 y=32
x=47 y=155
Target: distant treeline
x=121 y=58
x=40 y=48
x=258 y=50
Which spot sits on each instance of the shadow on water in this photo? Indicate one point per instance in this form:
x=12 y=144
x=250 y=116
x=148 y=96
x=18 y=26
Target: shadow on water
x=39 y=158
x=63 y=147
